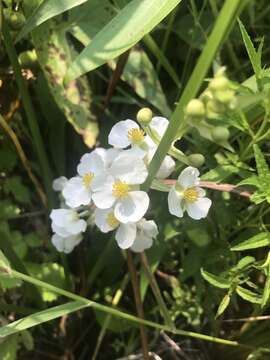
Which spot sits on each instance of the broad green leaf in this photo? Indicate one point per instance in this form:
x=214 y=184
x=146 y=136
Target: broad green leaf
x=261 y=164
x=49 y=272
x=266 y=290
x=140 y=74
x=9 y=347
x=135 y=20
x=55 y=55
x=15 y=186
x=217 y=281
x=248 y=295
x=223 y=305
x=254 y=58
x=45 y=11
x=260 y=240
x=41 y=317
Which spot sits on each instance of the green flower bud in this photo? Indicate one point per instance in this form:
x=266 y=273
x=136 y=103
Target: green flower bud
x=144 y=116
x=196 y=160
x=225 y=97
x=195 y=108
x=214 y=109
x=15 y=20
x=220 y=133
x=28 y=59
x=219 y=83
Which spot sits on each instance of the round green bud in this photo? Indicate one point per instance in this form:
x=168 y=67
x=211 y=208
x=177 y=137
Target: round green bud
x=144 y=116
x=225 y=96
x=220 y=133
x=196 y=160
x=16 y=21
x=219 y=83
x=28 y=59
x=214 y=109
x=195 y=108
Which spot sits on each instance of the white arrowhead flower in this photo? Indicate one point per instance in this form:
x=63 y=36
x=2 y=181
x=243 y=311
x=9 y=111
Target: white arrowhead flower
x=186 y=195
x=66 y=222
x=158 y=126
x=59 y=183
x=119 y=191
x=66 y=244
x=137 y=236
x=92 y=172
x=127 y=133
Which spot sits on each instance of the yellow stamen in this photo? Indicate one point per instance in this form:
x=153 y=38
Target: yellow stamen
x=191 y=194
x=87 y=179
x=136 y=136
x=112 y=221
x=120 y=189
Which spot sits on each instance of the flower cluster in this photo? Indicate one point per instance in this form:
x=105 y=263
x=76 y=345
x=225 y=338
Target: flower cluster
x=107 y=184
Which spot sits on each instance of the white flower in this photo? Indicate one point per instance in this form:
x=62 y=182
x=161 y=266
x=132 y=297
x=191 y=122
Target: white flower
x=59 y=183
x=92 y=172
x=66 y=244
x=158 y=126
x=66 y=222
x=167 y=166
x=137 y=236
x=119 y=191
x=126 y=133
x=186 y=195
x=147 y=231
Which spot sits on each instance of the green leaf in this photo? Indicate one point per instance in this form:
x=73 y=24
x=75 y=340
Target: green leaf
x=248 y=295
x=50 y=272
x=254 y=57
x=217 y=281
x=245 y=262
x=261 y=164
x=135 y=20
x=260 y=240
x=9 y=348
x=266 y=290
x=4 y=264
x=223 y=305
x=41 y=317
x=15 y=186
x=140 y=74
x=75 y=99
x=45 y=11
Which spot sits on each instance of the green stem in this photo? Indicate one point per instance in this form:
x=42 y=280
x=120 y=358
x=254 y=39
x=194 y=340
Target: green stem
x=156 y=291
x=30 y=113
x=221 y=29
x=17 y=326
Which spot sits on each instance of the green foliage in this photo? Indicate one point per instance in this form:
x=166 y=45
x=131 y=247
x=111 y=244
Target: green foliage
x=207 y=269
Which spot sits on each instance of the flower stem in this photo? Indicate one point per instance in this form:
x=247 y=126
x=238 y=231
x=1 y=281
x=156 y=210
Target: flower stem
x=156 y=291
x=138 y=301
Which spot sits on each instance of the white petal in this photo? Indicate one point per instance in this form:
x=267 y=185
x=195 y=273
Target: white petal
x=159 y=125
x=98 y=182
x=76 y=227
x=174 y=203
x=150 y=143
x=167 y=165
x=118 y=136
x=59 y=216
x=126 y=167
x=101 y=220
x=75 y=193
x=133 y=208
x=67 y=244
x=61 y=231
x=59 y=183
x=125 y=235
x=141 y=243
x=103 y=200
x=149 y=227
x=199 y=209
x=189 y=177
x=91 y=163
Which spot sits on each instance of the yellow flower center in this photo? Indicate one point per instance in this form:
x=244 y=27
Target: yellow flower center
x=87 y=179
x=136 y=136
x=191 y=194
x=120 y=189
x=112 y=221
